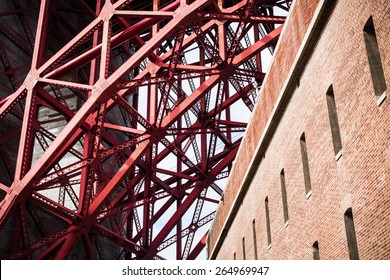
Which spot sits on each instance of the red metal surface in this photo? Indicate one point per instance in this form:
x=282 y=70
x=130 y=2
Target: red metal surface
x=135 y=169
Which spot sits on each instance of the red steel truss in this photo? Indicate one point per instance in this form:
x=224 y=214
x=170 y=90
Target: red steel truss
x=125 y=134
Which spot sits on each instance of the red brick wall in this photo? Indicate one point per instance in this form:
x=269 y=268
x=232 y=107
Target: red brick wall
x=359 y=179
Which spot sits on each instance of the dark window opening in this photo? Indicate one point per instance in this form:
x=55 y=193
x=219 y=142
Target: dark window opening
x=284 y=196
x=316 y=252
x=254 y=239
x=305 y=164
x=334 y=122
x=351 y=235
x=243 y=249
x=374 y=60
x=268 y=222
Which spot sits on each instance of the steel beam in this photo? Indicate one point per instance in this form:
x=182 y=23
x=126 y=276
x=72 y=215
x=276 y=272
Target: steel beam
x=145 y=106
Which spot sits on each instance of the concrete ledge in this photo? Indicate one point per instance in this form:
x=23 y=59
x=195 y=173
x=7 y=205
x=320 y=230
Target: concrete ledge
x=338 y=156
x=308 y=195
x=381 y=99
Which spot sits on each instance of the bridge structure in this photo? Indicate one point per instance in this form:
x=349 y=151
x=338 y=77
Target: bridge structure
x=116 y=143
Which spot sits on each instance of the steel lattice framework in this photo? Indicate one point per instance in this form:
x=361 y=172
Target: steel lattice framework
x=133 y=170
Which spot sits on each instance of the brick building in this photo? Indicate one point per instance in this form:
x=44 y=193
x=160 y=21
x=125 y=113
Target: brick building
x=312 y=176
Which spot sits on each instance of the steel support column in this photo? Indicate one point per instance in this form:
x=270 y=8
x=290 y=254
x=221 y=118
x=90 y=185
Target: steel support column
x=148 y=99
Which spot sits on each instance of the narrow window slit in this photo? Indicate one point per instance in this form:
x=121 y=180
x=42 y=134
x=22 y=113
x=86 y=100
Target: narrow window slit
x=351 y=235
x=284 y=197
x=305 y=165
x=334 y=123
x=316 y=252
x=268 y=222
x=254 y=238
x=243 y=249
x=374 y=61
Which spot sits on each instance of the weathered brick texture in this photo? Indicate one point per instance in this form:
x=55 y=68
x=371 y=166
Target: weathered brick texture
x=360 y=179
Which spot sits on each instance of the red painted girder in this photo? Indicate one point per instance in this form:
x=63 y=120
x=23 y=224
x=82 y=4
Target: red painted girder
x=68 y=243
x=69 y=64
x=9 y=71
x=199 y=165
x=54 y=208
x=198 y=248
x=209 y=116
x=50 y=250
x=4 y=187
x=184 y=14
x=15 y=39
x=177 y=174
x=26 y=138
x=158 y=215
x=199 y=97
x=25 y=24
x=183 y=75
x=10 y=134
x=59 y=107
x=186 y=231
x=122 y=204
x=119 y=100
x=66 y=84
x=11 y=101
x=240 y=5
x=117 y=204
x=62 y=139
x=89 y=246
x=123 y=129
x=118 y=239
x=21 y=10
x=73 y=122
x=19 y=188
x=39 y=244
x=41 y=35
x=208 y=84
x=40 y=130
x=189 y=40
x=178 y=111
x=146 y=14
x=257 y=46
x=235 y=18
x=109 y=188
x=9 y=165
x=62 y=173
x=69 y=114
x=25 y=230
x=81 y=37
x=204 y=183
x=211 y=161
x=95 y=52
x=2 y=101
